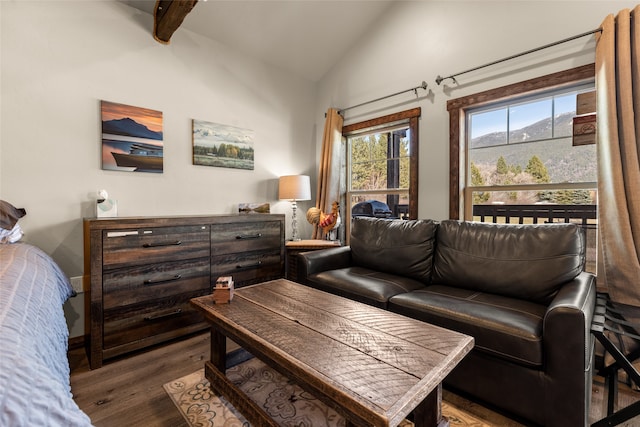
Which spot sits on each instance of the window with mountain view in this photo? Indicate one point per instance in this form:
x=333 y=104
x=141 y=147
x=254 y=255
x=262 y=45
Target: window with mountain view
x=522 y=166
x=521 y=152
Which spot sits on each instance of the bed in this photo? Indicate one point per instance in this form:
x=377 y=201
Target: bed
x=34 y=370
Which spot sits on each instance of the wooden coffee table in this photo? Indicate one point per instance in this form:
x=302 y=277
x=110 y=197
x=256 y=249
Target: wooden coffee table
x=372 y=366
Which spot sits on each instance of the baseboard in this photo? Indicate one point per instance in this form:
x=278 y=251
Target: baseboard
x=77 y=342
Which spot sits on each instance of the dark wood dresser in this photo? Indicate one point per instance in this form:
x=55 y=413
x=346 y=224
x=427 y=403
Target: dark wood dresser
x=144 y=270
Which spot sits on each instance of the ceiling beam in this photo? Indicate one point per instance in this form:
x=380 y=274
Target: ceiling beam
x=168 y=16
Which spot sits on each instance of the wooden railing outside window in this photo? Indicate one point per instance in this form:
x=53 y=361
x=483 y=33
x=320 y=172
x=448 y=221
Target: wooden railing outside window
x=585 y=215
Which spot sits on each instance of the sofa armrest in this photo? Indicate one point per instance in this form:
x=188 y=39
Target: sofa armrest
x=567 y=322
x=315 y=262
x=567 y=340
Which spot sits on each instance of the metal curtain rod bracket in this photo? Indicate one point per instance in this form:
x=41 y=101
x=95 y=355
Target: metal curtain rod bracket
x=439 y=79
x=413 y=89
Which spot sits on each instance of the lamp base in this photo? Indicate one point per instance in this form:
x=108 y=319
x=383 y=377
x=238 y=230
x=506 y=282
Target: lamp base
x=294 y=222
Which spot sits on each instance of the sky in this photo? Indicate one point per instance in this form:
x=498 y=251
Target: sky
x=152 y=119
x=521 y=115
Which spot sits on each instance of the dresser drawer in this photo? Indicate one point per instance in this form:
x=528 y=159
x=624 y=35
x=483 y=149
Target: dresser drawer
x=145 y=270
x=154 y=244
x=126 y=325
x=248 y=267
x=243 y=237
x=131 y=285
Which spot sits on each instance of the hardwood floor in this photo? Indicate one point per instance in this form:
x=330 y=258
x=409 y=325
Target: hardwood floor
x=128 y=391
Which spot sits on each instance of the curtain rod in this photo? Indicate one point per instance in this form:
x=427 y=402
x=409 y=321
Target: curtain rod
x=413 y=89
x=439 y=79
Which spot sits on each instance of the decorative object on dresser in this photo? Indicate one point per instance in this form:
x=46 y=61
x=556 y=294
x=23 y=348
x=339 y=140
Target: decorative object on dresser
x=294 y=188
x=254 y=208
x=106 y=207
x=144 y=270
x=294 y=248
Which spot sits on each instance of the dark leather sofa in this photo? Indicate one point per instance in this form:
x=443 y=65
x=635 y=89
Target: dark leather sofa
x=519 y=290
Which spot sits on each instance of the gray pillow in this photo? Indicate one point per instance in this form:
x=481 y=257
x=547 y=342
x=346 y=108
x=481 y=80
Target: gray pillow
x=402 y=247
x=9 y=215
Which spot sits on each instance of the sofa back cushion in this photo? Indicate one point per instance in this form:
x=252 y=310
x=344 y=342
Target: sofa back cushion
x=522 y=261
x=403 y=247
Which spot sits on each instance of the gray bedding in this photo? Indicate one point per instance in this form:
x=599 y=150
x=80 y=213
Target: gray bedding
x=34 y=369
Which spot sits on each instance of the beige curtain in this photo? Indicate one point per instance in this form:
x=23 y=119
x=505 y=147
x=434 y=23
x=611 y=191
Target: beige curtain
x=330 y=165
x=618 y=127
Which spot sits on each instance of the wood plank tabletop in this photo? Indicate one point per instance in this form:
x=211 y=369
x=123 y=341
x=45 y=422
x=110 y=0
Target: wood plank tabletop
x=373 y=363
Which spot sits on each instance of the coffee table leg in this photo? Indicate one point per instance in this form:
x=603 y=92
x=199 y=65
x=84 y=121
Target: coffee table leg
x=218 y=350
x=429 y=412
x=215 y=371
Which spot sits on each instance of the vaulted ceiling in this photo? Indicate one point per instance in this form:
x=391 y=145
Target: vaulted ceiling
x=305 y=37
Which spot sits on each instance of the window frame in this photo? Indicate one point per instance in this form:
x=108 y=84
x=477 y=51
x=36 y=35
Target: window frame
x=458 y=108
x=409 y=118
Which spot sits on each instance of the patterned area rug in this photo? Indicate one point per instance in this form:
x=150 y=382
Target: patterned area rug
x=285 y=402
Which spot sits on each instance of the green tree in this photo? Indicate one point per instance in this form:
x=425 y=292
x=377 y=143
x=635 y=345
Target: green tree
x=369 y=162
x=374 y=167
x=404 y=163
x=501 y=166
x=479 y=197
x=572 y=197
x=538 y=170
x=222 y=150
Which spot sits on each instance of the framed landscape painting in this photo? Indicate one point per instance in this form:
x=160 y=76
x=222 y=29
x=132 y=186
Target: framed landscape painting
x=131 y=138
x=222 y=146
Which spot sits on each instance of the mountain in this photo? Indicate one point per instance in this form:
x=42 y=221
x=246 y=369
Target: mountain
x=536 y=131
x=564 y=162
x=129 y=127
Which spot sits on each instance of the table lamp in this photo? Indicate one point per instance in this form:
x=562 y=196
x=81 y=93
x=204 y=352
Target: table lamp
x=294 y=188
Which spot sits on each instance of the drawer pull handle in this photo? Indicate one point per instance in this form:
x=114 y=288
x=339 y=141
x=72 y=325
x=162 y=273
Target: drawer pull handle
x=161 y=316
x=257 y=264
x=248 y=236
x=158 y=281
x=153 y=245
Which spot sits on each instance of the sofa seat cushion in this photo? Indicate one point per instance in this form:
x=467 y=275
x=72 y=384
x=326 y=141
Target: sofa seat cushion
x=402 y=247
x=362 y=284
x=505 y=327
x=529 y=262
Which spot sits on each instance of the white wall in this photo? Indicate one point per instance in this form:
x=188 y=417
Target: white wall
x=420 y=40
x=60 y=58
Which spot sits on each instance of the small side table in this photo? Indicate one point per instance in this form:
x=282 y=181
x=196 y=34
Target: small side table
x=293 y=248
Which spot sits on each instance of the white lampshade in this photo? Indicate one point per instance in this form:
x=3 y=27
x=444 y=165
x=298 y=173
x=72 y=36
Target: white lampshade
x=294 y=187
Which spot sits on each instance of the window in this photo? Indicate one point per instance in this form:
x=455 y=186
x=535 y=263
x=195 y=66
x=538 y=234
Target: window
x=514 y=157
x=526 y=145
x=382 y=166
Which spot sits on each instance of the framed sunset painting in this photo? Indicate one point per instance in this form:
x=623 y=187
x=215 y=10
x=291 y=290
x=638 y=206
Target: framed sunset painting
x=131 y=138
